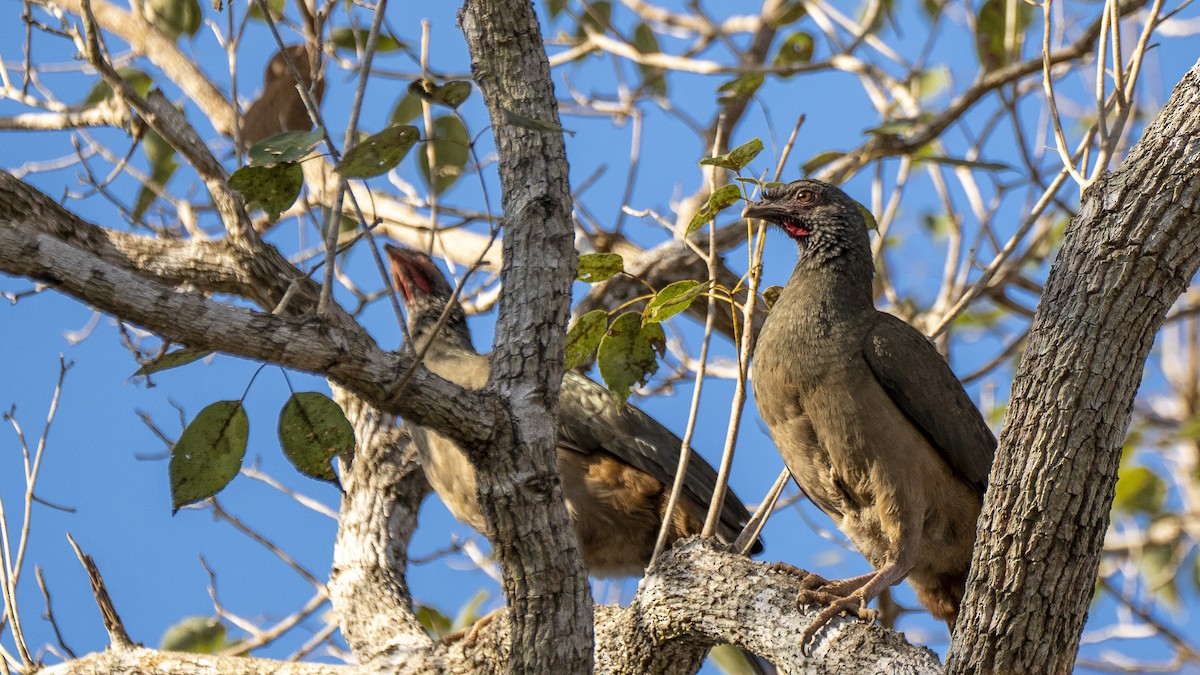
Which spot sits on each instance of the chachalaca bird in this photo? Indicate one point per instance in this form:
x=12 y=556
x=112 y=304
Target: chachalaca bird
x=617 y=463
x=872 y=423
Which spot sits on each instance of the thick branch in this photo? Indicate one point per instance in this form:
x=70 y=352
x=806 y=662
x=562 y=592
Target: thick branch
x=520 y=490
x=1127 y=256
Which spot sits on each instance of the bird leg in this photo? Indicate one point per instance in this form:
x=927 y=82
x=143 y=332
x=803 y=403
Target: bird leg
x=861 y=590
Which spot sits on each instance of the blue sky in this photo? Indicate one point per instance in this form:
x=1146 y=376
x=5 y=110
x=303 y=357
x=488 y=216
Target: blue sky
x=106 y=465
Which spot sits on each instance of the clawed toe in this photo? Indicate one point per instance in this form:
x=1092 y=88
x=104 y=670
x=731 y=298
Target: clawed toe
x=834 y=606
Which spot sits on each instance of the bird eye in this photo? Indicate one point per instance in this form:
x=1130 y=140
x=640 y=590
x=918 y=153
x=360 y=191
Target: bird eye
x=805 y=197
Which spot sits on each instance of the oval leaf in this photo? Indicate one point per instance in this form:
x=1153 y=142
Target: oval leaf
x=138 y=79
x=313 y=430
x=208 y=453
x=196 y=635
x=819 y=160
x=289 y=146
x=796 y=49
x=354 y=39
x=596 y=267
x=674 y=299
x=738 y=157
x=723 y=198
x=378 y=154
x=584 y=337
x=175 y=359
x=771 y=295
x=175 y=17
x=451 y=148
x=406 y=110
x=741 y=87
x=627 y=353
x=274 y=188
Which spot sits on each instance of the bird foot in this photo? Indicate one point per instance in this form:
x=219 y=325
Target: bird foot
x=808 y=580
x=834 y=605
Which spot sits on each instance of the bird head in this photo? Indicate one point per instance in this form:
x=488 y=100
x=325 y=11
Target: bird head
x=426 y=293
x=824 y=221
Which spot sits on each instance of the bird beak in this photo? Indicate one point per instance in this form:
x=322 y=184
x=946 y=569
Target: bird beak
x=769 y=211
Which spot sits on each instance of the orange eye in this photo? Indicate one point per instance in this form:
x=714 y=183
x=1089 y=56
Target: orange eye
x=805 y=197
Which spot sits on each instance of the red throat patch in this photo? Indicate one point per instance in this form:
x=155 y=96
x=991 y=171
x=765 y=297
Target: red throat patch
x=795 y=230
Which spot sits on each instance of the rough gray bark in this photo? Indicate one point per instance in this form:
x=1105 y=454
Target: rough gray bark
x=545 y=582
x=1126 y=258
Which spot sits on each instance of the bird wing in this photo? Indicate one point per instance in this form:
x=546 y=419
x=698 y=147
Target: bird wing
x=922 y=385
x=590 y=420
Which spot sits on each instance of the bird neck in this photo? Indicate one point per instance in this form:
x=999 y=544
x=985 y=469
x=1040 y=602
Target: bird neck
x=843 y=277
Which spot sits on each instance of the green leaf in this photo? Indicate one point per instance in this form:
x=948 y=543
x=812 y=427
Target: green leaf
x=644 y=39
x=175 y=17
x=451 y=94
x=138 y=79
x=741 y=87
x=790 y=13
x=555 y=7
x=673 y=299
x=627 y=353
x=596 y=267
x=518 y=120
x=1139 y=490
x=312 y=431
x=208 y=453
x=731 y=660
x=970 y=164
x=797 y=48
x=469 y=613
x=596 y=17
x=161 y=157
x=584 y=337
x=407 y=109
x=646 y=42
x=274 y=6
x=354 y=39
x=869 y=217
x=435 y=623
x=288 y=146
x=274 y=188
x=893 y=127
x=724 y=197
x=991 y=25
x=379 y=153
x=195 y=635
x=819 y=160
x=451 y=146
x=771 y=295
x=175 y=359
x=737 y=158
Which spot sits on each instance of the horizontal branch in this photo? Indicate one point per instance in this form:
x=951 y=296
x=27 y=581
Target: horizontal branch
x=41 y=240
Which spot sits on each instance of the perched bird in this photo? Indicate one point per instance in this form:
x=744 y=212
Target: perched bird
x=617 y=463
x=280 y=107
x=870 y=420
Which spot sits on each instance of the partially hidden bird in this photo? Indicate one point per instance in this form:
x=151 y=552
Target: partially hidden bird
x=872 y=423
x=617 y=463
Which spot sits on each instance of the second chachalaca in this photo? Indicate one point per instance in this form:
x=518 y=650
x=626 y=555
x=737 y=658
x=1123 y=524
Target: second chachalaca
x=874 y=426
x=617 y=463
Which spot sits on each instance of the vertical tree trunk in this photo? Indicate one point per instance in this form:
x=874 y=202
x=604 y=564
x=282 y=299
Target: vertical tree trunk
x=520 y=491
x=1127 y=256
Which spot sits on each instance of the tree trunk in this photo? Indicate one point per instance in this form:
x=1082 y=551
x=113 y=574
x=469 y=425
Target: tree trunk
x=1127 y=256
x=545 y=582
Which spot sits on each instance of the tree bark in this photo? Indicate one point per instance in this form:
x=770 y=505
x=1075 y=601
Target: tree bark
x=545 y=582
x=1127 y=256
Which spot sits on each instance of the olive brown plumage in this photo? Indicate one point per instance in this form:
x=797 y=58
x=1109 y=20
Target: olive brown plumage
x=874 y=426
x=616 y=462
